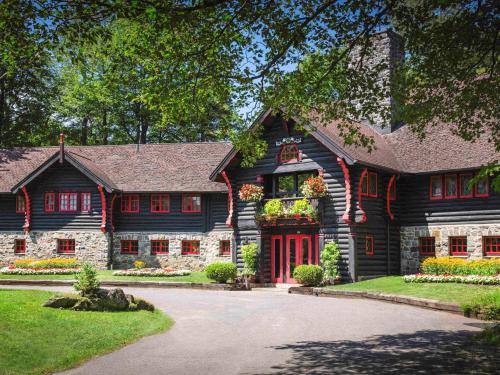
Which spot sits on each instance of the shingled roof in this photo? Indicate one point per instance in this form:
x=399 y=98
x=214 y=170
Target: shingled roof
x=183 y=167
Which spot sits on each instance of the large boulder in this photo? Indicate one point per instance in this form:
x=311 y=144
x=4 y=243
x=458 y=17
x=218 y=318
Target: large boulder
x=64 y=302
x=111 y=299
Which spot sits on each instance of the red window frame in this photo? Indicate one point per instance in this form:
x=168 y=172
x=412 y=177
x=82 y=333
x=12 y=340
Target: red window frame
x=225 y=247
x=289 y=153
x=427 y=246
x=487 y=184
x=68 y=196
x=457 y=245
x=20 y=204
x=129 y=247
x=85 y=206
x=455 y=194
x=49 y=202
x=461 y=186
x=19 y=246
x=159 y=247
x=491 y=245
x=65 y=246
x=366 y=185
x=190 y=247
x=190 y=208
x=156 y=200
x=369 y=245
x=436 y=197
x=130 y=203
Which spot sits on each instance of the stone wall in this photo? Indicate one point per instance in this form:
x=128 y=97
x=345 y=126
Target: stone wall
x=90 y=247
x=209 y=250
x=410 y=252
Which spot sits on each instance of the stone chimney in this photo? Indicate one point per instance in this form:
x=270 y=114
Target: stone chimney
x=386 y=48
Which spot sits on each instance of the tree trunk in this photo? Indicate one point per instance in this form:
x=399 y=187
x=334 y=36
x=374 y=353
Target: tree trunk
x=105 y=128
x=144 y=133
x=85 y=132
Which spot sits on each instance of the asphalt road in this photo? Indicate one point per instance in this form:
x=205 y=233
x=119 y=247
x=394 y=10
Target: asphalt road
x=271 y=332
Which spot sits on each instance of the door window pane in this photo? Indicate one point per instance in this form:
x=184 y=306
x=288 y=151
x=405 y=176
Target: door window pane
x=293 y=256
x=277 y=260
x=305 y=251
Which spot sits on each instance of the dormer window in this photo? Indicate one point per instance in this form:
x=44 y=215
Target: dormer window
x=289 y=153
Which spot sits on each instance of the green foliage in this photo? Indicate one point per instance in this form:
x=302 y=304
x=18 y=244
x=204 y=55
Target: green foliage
x=308 y=275
x=249 y=253
x=300 y=207
x=488 y=306
x=457 y=266
x=489 y=335
x=330 y=257
x=274 y=208
x=221 y=271
x=86 y=280
x=491 y=171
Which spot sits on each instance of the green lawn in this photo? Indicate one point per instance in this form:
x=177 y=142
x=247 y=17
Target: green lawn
x=41 y=340
x=449 y=292
x=194 y=277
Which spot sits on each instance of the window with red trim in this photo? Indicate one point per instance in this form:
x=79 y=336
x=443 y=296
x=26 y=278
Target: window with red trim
x=465 y=186
x=190 y=247
x=160 y=203
x=458 y=245
x=392 y=191
x=129 y=247
x=369 y=185
x=482 y=188
x=130 y=203
x=159 y=247
x=427 y=246
x=20 y=204
x=50 y=202
x=86 y=202
x=450 y=186
x=19 y=246
x=65 y=246
x=289 y=153
x=369 y=245
x=68 y=202
x=491 y=245
x=225 y=247
x=436 y=187
x=191 y=203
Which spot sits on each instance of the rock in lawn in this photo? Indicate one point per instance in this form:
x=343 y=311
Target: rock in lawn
x=64 y=302
x=144 y=305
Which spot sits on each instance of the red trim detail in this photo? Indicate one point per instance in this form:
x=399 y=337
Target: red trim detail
x=316 y=251
x=348 y=196
x=487 y=189
x=190 y=247
x=159 y=247
x=128 y=203
x=427 y=246
x=457 y=245
x=460 y=185
x=259 y=179
x=103 y=204
x=369 y=245
x=437 y=197
x=278 y=279
x=229 y=220
x=65 y=246
x=389 y=199
x=19 y=246
x=84 y=208
x=491 y=245
x=129 y=247
x=289 y=149
x=455 y=195
x=360 y=196
x=27 y=207
x=159 y=199
x=49 y=206
x=111 y=222
x=224 y=247
x=191 y=210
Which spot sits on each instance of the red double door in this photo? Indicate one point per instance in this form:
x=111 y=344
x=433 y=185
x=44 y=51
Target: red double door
x=289 y=251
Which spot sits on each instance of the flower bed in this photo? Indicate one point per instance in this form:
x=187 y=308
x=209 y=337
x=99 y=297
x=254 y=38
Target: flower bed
x=152 y=272
x=457 y=266
x=37 y=271
x=467 y=279
x=46 y=263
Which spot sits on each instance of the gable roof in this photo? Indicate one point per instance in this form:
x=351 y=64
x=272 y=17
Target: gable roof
x=168 y=167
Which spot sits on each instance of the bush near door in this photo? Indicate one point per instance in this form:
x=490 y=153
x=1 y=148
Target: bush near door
x=221 y=272
x=308 y=275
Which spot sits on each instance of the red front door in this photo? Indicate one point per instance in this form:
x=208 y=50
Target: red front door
x=289 y=251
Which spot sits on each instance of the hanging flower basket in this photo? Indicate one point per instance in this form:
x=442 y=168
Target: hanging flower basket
x=251 y=193
x=314 y=187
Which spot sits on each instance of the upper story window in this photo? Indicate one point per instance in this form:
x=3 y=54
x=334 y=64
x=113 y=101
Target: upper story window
x=66 y=246
x=466 y=190
x=160 y=203
x=482 y=189
x=427 y=245
x=68 y=202
x=289 y=153
x=130 y=203
x=86 y=202
x=50 y=202
x=458 y=245
x=491 y=245
x=451 y=186
x=436 y=187
x=369 y=245
x=369 y=185
x=457 y=186
x=285 y=185
x=20 y=204
x=191 y=203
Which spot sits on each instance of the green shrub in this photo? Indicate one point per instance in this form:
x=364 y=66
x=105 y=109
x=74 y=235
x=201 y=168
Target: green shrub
x=330 y=261
x=274 y=208
x=86 y=280
x=221 y=272
x=308 y=275
x=489 y=335
x=487 y=305
x=249 y=253
x=458 y=266
x=300 y=207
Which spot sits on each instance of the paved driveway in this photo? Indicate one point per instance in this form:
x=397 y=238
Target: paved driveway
x=264 y=332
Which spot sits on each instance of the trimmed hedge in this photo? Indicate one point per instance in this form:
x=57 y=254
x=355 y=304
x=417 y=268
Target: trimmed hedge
x=457 y=266
x=221 y=272
x=46 y=263
x=308 y=275
x=488 y=306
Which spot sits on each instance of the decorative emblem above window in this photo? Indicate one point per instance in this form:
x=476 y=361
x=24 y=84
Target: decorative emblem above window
x=289 y=153
x=288 y=140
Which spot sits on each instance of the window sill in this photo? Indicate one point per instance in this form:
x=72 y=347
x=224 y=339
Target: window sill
x=160 y=254
x=190 y=255
x=491 y=255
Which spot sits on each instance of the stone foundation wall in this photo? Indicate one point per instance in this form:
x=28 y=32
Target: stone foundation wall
x=209 y=250
x=410 y=252
x=90 y=247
